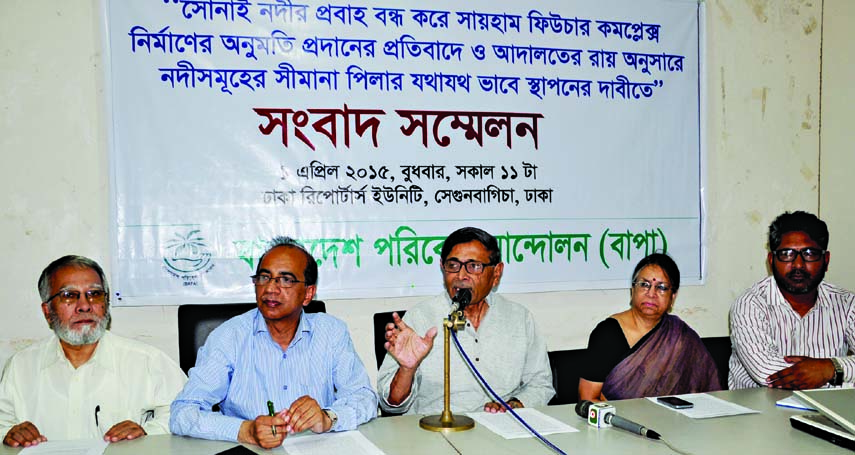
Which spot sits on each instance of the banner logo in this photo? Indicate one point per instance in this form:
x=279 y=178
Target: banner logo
x=187 y=256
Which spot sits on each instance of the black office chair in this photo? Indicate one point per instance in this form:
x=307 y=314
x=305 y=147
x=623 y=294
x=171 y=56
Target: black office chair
x=195 y=322
x=380 y=321
x=565 y=375
x=720 y=349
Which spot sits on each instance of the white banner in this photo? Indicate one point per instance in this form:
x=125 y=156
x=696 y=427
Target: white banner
x=370 y=131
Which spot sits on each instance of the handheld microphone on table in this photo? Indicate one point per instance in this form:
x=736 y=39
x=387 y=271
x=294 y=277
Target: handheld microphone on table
x=602 y=415
x=461 y=299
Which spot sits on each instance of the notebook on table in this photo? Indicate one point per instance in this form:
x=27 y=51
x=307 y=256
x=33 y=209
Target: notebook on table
x=836 y=421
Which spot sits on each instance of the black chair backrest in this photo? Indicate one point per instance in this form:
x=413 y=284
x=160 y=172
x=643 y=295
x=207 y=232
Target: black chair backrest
x=565 y=375
x=565 y=368
x=380 y=321
x=720 y=350
x=195 y=323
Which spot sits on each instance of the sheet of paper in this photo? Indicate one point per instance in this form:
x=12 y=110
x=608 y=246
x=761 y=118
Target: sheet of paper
x=349 y=442
x=707 y=406
x=793 y=401
x=76 y=447
x=507 y=427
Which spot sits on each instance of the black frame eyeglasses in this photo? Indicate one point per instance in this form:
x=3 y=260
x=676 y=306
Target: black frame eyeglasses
x=283 y=282
x=808 y=254
x=472 y=267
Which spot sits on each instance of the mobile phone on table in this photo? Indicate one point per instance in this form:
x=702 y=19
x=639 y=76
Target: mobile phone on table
x=675 y=402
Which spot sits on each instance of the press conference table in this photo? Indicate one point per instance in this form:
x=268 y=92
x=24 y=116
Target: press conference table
x=765 y=433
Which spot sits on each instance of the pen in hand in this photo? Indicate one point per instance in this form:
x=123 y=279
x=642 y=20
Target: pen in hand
x=271 y=412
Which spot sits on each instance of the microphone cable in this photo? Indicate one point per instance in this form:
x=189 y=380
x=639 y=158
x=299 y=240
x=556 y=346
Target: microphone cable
x=664 y=441
x=499 y=399
x=520 y=419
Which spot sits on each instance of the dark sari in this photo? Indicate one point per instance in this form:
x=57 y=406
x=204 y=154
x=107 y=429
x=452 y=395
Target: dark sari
x=672 y=361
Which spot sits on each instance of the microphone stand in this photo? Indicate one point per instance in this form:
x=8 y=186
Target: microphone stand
x=446 y=421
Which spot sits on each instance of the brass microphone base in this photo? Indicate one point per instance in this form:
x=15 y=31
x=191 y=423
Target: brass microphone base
x=457 y=423
x=447 y=421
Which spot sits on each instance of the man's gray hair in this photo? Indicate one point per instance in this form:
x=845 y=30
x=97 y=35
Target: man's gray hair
x=310 y=275
x=70 y=261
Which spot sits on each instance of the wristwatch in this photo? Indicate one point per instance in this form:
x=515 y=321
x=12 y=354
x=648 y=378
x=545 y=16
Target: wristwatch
x=837 y=380
x=332 y=415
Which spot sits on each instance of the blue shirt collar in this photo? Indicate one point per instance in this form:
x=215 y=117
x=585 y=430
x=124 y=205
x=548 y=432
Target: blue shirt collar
x=305 y=326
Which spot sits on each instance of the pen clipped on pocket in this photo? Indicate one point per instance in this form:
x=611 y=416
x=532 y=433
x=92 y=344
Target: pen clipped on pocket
x=101 y=431
x=146 y=415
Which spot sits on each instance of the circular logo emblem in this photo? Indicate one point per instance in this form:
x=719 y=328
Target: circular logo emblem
x=187 y=252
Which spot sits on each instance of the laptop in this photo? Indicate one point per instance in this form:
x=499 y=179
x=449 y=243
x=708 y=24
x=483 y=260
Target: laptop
x=822 y=427
x=836 y=421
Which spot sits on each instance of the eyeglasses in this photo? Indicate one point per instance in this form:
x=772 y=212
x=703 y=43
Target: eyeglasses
x=808 y=254
x=68 y=297
x=645 y=286
x=284 y=282
x=473 y=267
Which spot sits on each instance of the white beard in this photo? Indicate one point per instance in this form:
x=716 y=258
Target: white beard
x=87 y=335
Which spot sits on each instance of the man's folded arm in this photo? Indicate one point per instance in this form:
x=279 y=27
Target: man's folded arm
x=8 y=398
x=168 y=382
x=848 y=362
x=7 y=419
x=355 y=401
x=191 y=413
x=752 y=343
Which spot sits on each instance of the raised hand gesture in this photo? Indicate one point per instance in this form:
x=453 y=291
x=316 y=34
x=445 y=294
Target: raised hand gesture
x=405 y=345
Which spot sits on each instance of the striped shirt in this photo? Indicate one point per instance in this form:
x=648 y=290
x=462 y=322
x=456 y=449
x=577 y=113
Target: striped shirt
x=765 y=328
x=240 y=368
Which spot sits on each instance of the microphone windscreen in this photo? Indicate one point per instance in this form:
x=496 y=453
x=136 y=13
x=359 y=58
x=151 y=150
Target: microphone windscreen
x=463 y=297
x=582 y=408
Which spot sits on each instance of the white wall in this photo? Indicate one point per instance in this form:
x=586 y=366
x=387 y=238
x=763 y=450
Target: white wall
x=763 y=141
x=837 y=201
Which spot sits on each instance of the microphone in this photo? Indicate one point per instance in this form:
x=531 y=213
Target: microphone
x=462 y=299
x=602 y=415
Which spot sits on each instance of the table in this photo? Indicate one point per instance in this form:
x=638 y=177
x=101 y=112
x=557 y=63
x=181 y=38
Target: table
x=766 y=433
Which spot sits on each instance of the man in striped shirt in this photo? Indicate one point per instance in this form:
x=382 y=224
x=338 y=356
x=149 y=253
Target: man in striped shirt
x=792 y=330
x=276 y=370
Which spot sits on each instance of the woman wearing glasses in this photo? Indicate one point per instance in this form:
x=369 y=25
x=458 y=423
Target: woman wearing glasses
x=644 y=351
